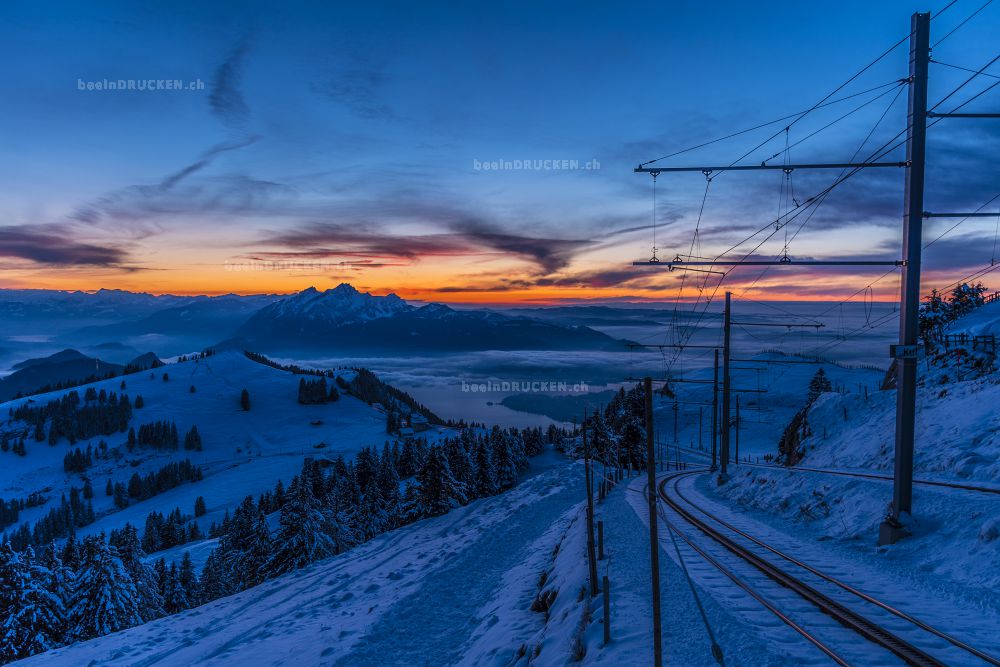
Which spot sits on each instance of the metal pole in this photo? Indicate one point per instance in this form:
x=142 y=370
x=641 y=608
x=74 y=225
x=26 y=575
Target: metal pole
x=909 y=302
x=675 y=422
x=701 y=422
x=736 y=459
x=654 y=543
x=592 y=560
x=715 y=412
x=726 y=393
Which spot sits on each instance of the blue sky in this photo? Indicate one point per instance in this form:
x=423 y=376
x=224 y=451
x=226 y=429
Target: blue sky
x=346 y=135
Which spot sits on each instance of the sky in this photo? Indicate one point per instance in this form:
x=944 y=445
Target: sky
x=309 y=144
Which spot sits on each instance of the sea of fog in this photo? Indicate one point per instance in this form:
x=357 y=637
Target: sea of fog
x=451 y=384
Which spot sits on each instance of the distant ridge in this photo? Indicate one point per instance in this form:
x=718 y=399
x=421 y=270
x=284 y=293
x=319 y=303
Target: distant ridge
x=344 y=319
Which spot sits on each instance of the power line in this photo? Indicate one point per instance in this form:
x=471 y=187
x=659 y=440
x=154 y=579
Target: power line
x=768 y=123
x=966 y=82
x=966 y=20
x=965 y=69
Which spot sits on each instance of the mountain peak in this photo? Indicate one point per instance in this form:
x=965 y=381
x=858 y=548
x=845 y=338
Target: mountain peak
x=339 y=305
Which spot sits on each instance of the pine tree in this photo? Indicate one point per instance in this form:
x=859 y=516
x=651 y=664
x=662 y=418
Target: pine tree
x=214 y=582
x=458 y=463
x=70 y=555
x=32 y=615
x=105 y=598
x=245 y=546
x=484 y=481
x=304 y=535
x=372 y=517
x=60 y=578
x=192 y=440
x=818 y=385
x=504 y=459
x=245 y=400
x=189 y=580
x=199 y=506
x=438 y=490
x=174 y=597
x=388 y=486
x=149 y=601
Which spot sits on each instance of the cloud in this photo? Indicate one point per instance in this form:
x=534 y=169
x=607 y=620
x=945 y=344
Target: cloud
x=142 y=204
x=52 y=245
x=357 y=87
x=226 y=99
x=458 y=237
x=204 y=160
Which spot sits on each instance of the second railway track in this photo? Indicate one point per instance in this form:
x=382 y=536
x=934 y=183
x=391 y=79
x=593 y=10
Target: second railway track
x=729 y=537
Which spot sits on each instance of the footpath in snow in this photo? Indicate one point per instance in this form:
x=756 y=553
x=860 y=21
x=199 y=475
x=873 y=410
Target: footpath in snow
x=429 y=593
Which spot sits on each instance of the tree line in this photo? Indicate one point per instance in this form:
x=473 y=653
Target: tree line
x=76 y=419
x=616 y=435
x=939 y=310
x=86 y=590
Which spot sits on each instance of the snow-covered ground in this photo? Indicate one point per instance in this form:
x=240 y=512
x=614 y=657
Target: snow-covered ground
x=451 y=590
x=956 y=533
x=504 y=580
x=245 y=452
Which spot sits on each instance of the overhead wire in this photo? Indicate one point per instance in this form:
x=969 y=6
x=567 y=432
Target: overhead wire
x=957 y=27
x=885 y=149
x=768 y=123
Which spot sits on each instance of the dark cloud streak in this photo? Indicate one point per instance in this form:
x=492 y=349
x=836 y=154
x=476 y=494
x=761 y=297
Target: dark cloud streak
x=52 y=245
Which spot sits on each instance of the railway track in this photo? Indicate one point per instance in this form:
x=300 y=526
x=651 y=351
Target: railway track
x=861 y=475
x=729 y=537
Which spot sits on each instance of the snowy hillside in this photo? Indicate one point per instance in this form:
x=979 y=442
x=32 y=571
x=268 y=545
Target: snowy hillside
x=243 y=452
x=956 y=440
x=451 y=590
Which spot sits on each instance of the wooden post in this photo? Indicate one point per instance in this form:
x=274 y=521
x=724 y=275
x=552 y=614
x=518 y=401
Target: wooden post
x=607 y=610
x=654 y=542
x=592 y=561
x=600 y=540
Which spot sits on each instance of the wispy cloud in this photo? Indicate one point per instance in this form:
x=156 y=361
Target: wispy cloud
x=53 y=245
x=358 y=87
x=457 y=238
x=226 y=98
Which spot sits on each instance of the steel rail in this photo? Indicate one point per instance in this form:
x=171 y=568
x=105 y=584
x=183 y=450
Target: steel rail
x=847 y=587
x=836 y=610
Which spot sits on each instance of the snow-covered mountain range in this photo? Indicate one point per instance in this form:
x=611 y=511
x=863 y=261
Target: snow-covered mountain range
x=343 y=318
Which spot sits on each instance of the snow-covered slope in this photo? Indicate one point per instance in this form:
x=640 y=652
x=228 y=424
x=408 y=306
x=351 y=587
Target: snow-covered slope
x=245 y=452
x=430 y=593
x=955 y=532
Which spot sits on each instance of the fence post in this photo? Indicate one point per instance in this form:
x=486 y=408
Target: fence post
x=592 y=560
x=600 y=540
x=607 y=610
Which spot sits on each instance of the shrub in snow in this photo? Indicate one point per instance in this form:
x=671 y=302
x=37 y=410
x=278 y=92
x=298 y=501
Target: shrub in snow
x=989 y=531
